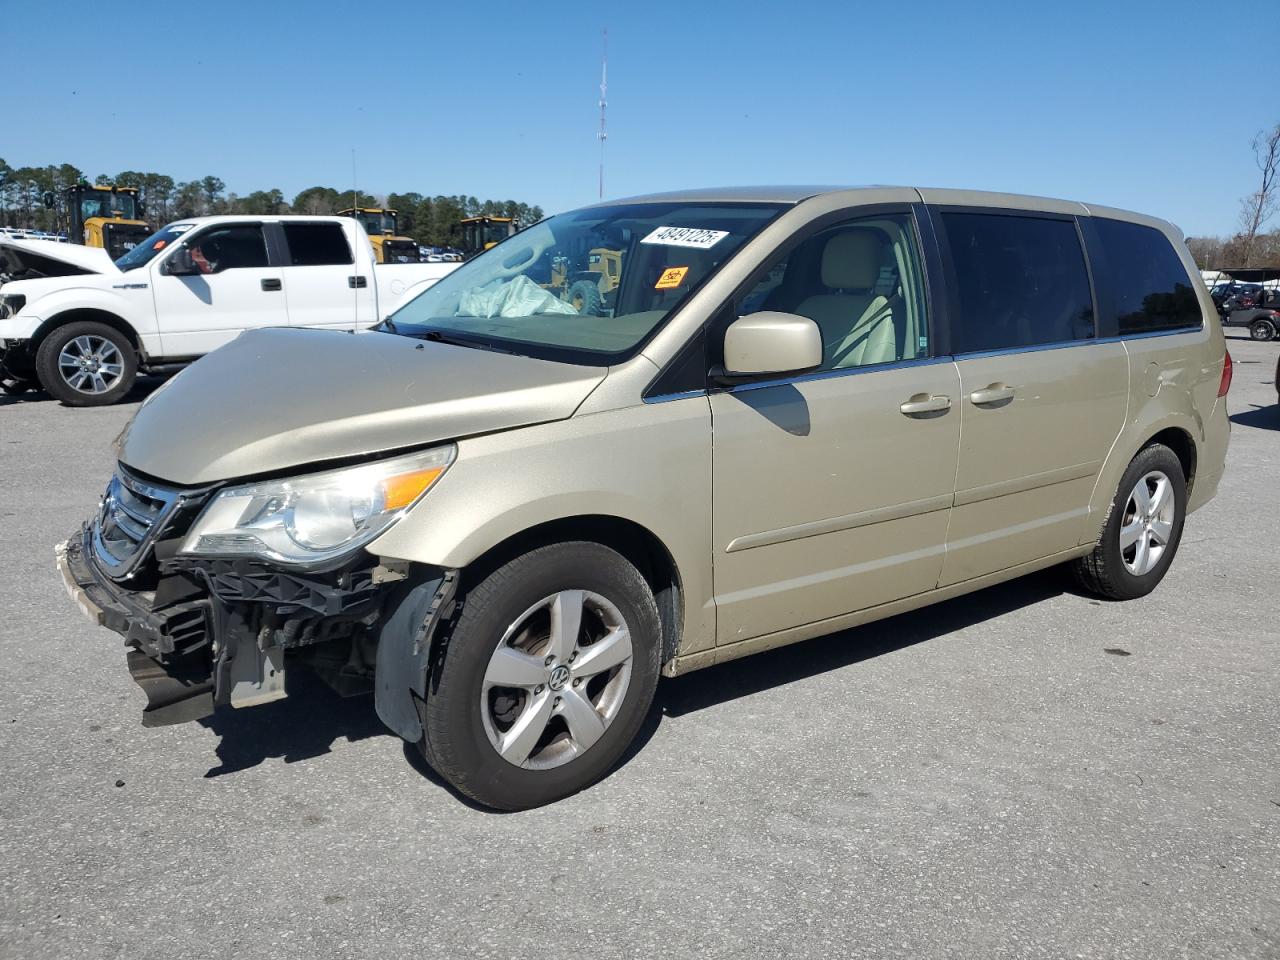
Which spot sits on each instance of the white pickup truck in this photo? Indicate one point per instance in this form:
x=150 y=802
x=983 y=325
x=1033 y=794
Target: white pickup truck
x=82 y=327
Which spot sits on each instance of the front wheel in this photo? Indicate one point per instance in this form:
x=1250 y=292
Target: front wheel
x=1262 y=330
x=546 y=676
x=86 y=364
x=1142 y=531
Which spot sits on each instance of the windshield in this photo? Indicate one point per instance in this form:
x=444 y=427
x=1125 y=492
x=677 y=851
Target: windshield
x=103 y=203
x=377 y=223
x=144 y=252
x=586 y=286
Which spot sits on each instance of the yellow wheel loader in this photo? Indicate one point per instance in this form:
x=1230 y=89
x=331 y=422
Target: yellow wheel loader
x=107 y=217
x=380 y=224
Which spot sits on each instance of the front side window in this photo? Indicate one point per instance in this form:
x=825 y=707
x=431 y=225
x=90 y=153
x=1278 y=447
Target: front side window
x=1150 y=288
x=316 y=244
x=230 y=247
x=587 y=286
x=860 y=282
x=1021 y=281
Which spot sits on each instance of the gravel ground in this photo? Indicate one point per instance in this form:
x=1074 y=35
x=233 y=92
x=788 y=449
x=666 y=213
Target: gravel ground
x=1024 y=772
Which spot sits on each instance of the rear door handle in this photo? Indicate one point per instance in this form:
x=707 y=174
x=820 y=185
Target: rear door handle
x=922 y=403
x=271 y=283
x=993 y=394
x=357 y=282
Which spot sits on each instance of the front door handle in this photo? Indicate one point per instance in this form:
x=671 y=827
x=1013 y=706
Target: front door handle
x=996 y=393
x=271 y=283
x=357 y=282
x=923 y=403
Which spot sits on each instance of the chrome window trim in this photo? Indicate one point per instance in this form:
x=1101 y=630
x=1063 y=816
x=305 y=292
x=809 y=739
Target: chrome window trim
x=1064 y=344
x=832 y=374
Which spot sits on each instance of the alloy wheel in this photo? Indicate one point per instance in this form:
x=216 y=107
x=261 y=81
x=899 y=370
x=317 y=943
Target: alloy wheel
x=557 y=679
x=1147 y=524
x=90 y=364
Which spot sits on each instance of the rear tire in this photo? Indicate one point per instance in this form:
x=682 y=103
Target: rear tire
x=86 y=364
x=519 y=712
x=1262 y=330
x=1141 y=535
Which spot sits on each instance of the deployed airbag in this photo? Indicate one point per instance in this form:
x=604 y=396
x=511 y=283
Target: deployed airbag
x=520 y=297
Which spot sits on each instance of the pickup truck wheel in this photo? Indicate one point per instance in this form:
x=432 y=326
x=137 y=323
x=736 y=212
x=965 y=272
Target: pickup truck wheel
x=546 y=677
x=1262 y=330
x=86 y=364
x=1142 y=531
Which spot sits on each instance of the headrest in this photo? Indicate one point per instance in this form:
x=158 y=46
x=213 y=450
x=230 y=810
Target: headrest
x=851 y=260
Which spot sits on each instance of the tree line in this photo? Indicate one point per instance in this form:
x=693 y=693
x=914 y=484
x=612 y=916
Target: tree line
x=1252 y=245
x=431 y=220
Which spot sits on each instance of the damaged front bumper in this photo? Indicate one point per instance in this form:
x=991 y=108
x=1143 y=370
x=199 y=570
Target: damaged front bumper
x=206 y=633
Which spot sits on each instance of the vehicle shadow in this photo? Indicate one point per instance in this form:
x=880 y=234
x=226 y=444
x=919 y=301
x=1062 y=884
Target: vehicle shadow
x=302 y=726
x=1263 y=418
x=307 y=723
x=141 y=389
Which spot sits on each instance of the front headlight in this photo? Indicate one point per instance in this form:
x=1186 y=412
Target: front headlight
x=311 y=519
x=11 y=304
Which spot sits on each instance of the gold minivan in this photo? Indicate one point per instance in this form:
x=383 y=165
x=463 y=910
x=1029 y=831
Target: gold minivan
x=515 y=503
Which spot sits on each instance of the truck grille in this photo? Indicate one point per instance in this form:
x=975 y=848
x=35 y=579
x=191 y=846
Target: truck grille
x=131 y=514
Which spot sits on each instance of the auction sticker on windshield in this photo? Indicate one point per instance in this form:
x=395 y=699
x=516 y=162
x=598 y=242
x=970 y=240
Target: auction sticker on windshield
x=686 y=237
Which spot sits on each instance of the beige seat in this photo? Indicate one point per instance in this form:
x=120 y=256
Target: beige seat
x=856 y=319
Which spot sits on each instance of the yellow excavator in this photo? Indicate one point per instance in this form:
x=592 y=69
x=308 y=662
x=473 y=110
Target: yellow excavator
x=481 y=233
x=107 y=217
x=380 y=224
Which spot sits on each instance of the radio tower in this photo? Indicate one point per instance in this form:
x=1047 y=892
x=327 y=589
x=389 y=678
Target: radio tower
x=603 y=135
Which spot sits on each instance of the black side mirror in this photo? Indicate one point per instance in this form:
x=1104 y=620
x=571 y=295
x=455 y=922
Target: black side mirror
x=180 y=264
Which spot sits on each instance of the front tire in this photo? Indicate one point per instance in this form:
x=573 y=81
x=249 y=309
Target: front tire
x=1262 y=330
x=86 y=364
x=546 y=676
x=1143 y=529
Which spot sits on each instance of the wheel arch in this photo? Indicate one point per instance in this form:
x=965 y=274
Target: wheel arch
x=1183 y=446
x=95 y=314
x=638 y=544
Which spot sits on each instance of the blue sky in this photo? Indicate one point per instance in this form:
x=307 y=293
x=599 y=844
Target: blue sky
x=1128 y=104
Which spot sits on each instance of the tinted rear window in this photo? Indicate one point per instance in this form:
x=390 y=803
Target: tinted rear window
x=1021 y=281
x=316 y=244
x=1149 y=287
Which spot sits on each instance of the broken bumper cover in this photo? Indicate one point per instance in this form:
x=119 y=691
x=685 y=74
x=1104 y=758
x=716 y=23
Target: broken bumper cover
x=176 y=691
x=220 y=635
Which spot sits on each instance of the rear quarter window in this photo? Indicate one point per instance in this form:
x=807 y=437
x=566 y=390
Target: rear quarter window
x=1149 y=289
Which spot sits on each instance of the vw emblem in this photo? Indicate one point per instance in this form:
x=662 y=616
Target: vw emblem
x=559 y=677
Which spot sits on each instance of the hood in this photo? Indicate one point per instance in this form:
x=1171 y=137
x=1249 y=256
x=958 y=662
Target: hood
x=279 y=398
x=48 y=258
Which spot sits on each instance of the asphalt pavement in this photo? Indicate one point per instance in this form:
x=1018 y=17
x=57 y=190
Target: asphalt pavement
x=1024 y=772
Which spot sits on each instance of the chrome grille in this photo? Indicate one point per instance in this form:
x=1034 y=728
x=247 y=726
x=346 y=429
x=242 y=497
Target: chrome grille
x=130 y=516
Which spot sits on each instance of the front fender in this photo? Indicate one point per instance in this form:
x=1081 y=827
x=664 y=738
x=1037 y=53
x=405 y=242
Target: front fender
x=647 y=464
x=123 y=305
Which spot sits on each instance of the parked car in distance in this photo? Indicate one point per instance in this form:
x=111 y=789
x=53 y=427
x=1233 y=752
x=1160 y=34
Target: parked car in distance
x=796 y=411
x=83 y=327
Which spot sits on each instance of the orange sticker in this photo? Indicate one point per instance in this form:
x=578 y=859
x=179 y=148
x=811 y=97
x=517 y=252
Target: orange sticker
x=671 y=278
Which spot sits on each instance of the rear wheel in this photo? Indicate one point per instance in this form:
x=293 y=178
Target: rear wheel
x=1142 y=531
x=1262 y=329
x=546 y=677
x=86 y=364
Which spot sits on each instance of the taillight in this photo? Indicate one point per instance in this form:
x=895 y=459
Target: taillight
x=1225 y=383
